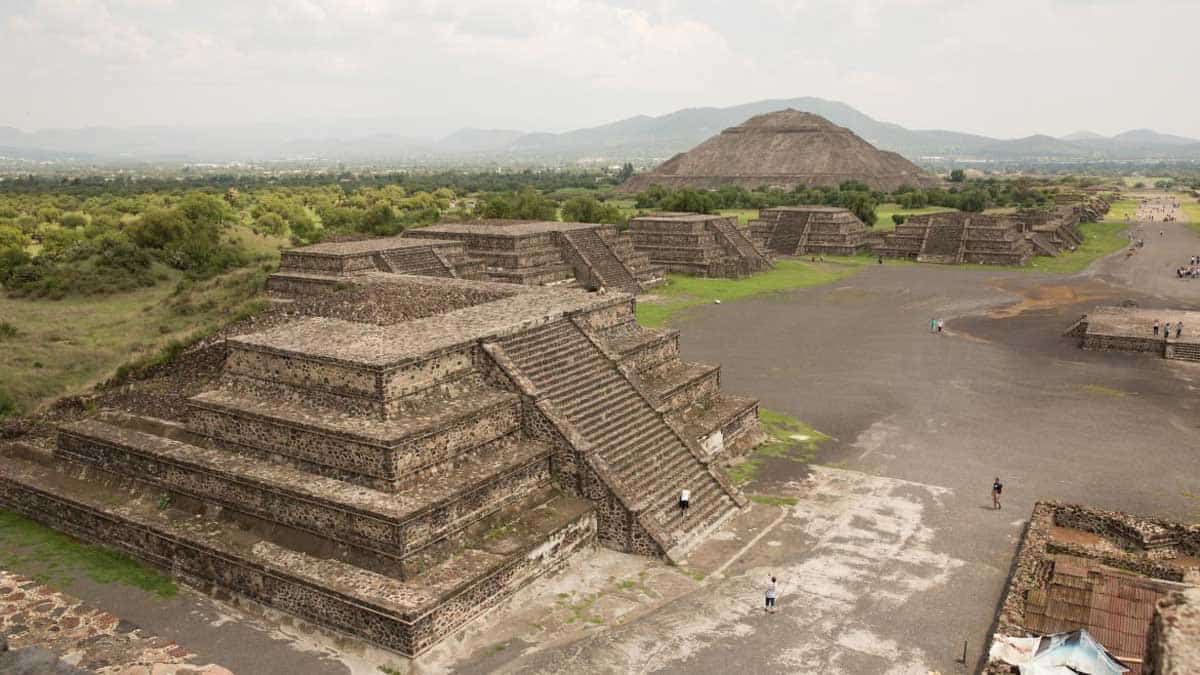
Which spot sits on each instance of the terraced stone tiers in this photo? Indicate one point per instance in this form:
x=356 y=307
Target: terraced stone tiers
x=804 y=230
x=375 y=452
x=1131 y=329
x=396 y=255
x=549 y=252
x=696 y=244
x=499 y=556
x=389 y=524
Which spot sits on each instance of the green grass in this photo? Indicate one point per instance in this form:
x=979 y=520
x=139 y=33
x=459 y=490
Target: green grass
x=1191 y=212
x=63 y=347
x=55 y=559
x=787 y=438
x=884 y=212
x=772 y=500
x=681 y=292
x=1101 y=390
x=743 y=215
x=1099 y=240
x=1120 y=210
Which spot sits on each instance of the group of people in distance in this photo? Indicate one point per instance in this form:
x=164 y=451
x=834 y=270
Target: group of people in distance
x=1167 y=327
x=1190 y=270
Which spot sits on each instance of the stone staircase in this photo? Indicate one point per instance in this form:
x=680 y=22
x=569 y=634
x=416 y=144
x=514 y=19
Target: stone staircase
x=1185 y=351
x=651 y=461
x=601 y=260
x=418 y=261
x=943 y=244
x=787 y=240
x=733 y=238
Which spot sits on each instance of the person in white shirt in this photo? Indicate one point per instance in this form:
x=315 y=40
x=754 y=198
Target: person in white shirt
x=772 y=590
x=685 y=498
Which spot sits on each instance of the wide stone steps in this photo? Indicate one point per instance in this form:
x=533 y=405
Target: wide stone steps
x=419 y=261
x=500 y=555
x=651 y=461
x=1186 y=351
x=604 y=262
x=390 y=524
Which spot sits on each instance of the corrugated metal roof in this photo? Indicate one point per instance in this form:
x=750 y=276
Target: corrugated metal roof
x=1115 y=607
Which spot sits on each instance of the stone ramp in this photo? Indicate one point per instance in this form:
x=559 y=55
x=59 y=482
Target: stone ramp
x=652 y=463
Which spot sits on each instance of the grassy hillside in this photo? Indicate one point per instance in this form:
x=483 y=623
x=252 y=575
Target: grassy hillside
x=53 y=348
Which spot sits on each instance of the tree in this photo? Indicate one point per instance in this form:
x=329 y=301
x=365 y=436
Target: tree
x=626 y=172
x=11 y=237
x=588 y=209
x=958 y=176
x=973 y=200
x=270 y=223
x=527 y=204
x=899 y=218
x=863 y=206
x=690 y=200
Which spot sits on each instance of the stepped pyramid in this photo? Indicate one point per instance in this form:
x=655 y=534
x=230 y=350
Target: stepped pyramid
x=783 y=149
x=550 y=252
x=958 y=237
x=693 y=243
x=801 y=230
x=403 y=451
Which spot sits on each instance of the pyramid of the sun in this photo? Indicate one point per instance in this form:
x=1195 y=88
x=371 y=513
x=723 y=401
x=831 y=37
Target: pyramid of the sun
x=783 y=149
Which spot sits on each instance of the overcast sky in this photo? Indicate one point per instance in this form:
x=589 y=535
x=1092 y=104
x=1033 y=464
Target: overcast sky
x=423 y=67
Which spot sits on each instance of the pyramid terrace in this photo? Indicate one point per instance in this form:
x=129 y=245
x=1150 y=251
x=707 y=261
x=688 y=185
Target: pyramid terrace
x=409 y=451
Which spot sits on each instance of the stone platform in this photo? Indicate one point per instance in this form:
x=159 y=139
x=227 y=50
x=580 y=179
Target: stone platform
x=429 y=257
x=1131 y=329
x=405 y=453
x=697 y=244
x=550 y=252
x=809 y=230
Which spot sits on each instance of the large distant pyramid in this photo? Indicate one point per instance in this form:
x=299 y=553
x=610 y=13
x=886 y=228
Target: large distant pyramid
x=784 y=149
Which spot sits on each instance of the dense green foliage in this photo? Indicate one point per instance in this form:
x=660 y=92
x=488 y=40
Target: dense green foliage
x=588 y=209
x=55 y=243
x=973 y=195
x=524 y=204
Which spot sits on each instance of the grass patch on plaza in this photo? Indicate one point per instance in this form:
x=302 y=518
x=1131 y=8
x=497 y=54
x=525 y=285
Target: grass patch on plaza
x=1121 y=209
x=682 y=292
x=884 y=213
x=55 y=559
x=63 y=347
x=1191 y=212
x=743 y=215
x=772 y=500
x=787 y=438
x=1099 y=240
x=1101 y=390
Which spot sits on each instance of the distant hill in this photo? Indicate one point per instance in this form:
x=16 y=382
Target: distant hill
x=642 y=139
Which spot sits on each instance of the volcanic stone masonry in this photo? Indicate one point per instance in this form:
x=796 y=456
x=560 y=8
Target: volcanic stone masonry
x=1130 y=329
x=406 y=453
x=550 y=252
x=697 y=244
x=1130 y=581
x=809 y=230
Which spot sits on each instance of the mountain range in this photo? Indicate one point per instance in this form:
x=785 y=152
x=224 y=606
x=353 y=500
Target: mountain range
x=641 y=139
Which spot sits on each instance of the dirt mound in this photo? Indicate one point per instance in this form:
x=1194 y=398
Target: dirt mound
x=784 y=149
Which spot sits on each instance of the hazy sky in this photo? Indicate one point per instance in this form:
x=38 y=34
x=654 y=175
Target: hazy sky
x=1000 y=67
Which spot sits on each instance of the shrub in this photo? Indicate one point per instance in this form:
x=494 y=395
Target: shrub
x=899 y=218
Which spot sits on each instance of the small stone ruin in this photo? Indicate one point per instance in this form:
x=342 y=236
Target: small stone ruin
x=697 y=244
x=957 y=237
x=409 y=450
x=1130 y=329
x=809 y=230
x=550 y=252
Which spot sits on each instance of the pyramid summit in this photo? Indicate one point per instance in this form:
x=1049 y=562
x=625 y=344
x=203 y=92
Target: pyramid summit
x=787 y=148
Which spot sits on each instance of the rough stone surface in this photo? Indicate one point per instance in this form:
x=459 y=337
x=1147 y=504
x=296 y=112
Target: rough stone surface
x=784 y=149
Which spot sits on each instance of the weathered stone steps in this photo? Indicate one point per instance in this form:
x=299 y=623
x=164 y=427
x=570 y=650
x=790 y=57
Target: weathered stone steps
x=404 y=616
x=650 y=459
x=388 y=524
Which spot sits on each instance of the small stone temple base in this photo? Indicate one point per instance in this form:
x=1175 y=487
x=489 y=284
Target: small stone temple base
x=1131 y=329
x=697 y=244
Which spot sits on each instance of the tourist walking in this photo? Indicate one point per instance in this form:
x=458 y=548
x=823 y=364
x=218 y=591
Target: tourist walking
x=1156 y=327
x=997 y=488
x=685 y=499
x=933 y=325
x=1166 y=330
x=940 y=325
x=772 y=590
x=1178 y=329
